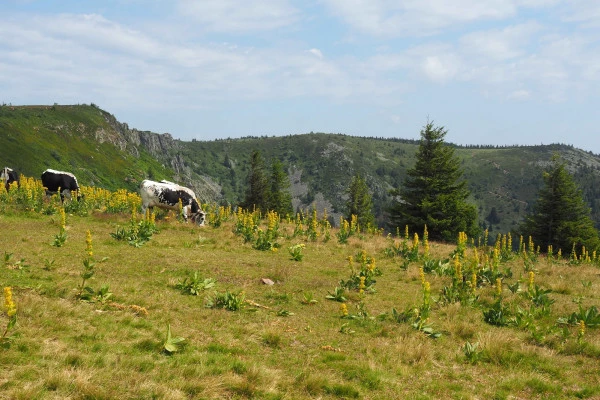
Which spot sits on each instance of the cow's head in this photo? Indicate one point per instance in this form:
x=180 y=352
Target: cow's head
x=199 y=218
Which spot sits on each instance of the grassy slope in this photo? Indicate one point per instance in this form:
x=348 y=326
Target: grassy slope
x=34 y=138
x=71 y=349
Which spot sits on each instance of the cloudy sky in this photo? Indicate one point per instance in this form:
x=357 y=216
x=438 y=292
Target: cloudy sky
x=498 y=72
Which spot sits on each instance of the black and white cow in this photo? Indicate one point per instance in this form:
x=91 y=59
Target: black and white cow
x=167 y=194
x=8 y=176
x=54 y=181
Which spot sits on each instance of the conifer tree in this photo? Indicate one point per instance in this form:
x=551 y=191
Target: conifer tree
x=258 y=189
x=433 y=193
x=560 y=216
x=359 y=202
x=280 y=198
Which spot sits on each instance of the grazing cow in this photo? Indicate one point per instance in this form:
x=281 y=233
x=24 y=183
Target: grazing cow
x=54 y=181
x=167 y=194
x=8 y=176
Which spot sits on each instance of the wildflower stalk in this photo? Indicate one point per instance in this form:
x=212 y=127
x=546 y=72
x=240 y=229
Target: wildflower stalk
x=61 y=237
x=581 y=331
x=11 y=312
x=88 y=267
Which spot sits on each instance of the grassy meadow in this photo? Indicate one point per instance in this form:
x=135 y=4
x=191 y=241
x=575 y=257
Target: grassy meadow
x=426 y=321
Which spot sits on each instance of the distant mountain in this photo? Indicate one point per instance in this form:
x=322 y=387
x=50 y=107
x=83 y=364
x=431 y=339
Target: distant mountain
x=102 y=151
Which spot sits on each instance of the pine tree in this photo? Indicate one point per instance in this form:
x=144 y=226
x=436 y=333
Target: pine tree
x=359 y=202
x=280 y=198
x=560 y=216
x=258 y=189
x=433 y=192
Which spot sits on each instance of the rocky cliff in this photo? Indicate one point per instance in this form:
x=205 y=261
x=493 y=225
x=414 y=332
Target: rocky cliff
x=164 y=148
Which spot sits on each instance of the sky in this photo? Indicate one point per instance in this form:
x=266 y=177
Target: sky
x=491 y=72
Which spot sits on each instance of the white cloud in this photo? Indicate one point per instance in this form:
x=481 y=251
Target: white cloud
x=500 y=44
x=127 y=66
x=54 y=56
x=586 y=12
x=439 y=69
x=422 y=17
x=316 y=52
x=239 y=15
x=519 y=95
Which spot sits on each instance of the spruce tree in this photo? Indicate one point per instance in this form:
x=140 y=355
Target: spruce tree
x=258 y=189
x=560 y=216
x=280 y=198
x=359 y=202
x=434 y=193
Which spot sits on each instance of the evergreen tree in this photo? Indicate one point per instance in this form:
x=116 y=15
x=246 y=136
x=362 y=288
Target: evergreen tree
x=493 y=217
x=280 y=198
x=560 y=216
x=359 y=202
x=433 y=192
x=258 y=189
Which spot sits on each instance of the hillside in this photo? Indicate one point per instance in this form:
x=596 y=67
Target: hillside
x=103 y=151
x=78 y=139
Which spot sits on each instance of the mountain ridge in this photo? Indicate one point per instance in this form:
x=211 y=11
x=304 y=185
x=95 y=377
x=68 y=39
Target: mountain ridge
x=102 y=151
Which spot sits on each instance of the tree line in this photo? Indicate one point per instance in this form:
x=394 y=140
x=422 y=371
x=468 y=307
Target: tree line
x=435 y=195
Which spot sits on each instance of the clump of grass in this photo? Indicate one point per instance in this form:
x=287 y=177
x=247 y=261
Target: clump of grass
x=231 y=301
x=194 y=284
x=271 y=339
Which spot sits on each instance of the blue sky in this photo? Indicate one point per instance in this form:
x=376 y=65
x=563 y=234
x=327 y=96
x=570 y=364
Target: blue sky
x=498 y=72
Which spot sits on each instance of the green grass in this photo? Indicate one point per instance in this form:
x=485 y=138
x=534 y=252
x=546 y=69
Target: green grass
x=34 y=138
x=66 y=348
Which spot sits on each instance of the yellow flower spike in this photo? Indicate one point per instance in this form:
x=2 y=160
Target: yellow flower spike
x=473 y=282
x=457 y=267
x=531 y=279
x=88 y=244
x=9 y=304
x=406 y=236
x=371 y=265
x=422 y=276
x=530 y=246
x=426 y=293
x=425 y=242
x=496 y=259
x=361 y=285
x=63 y=219
x=344 y=309
x=498 y=286
x=581 y=328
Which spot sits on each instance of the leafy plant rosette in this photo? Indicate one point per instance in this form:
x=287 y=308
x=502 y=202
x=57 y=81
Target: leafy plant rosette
x=171 y=344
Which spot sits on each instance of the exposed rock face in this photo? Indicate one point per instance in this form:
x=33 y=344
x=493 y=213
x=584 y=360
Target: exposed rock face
x=299 y=190
x=162 y=147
